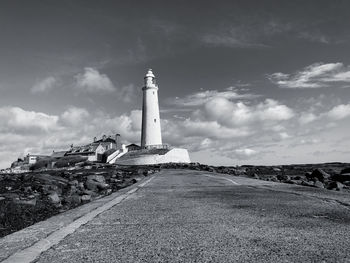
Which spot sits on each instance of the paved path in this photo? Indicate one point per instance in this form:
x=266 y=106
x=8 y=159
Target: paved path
x=190 y=216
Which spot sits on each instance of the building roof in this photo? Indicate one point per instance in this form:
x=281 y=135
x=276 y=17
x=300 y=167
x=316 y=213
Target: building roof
x=58 y=154
x=109 y=139
x=133 y=145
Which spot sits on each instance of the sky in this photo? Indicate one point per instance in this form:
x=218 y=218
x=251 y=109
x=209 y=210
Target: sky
x=240 y=82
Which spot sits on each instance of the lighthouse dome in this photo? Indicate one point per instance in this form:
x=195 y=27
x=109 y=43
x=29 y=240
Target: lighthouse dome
x=150 y=74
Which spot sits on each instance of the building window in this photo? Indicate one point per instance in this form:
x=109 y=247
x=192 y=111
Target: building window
x=155 y=120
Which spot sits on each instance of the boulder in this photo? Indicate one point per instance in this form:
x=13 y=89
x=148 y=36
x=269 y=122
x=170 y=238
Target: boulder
x=335 y=186
x=81 y=186
x=347 y=183
x=318 y=184
x=26 y=201
x=318 y=174
x=96 y=178
x=73 y=200
x=345 y=170
x=27 y=189
x=341 y=177
x=86 y=198
x=283 y=177
x=74 y=183
x=96 y=182
x=50 y=179
x=54 y=198
x=307 y=183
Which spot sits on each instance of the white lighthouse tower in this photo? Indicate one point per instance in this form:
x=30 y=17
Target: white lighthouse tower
x=151 y=136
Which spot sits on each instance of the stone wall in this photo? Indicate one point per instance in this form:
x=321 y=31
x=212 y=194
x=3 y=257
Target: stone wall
x=176 y=155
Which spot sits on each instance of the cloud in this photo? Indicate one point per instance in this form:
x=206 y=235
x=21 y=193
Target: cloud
x=24 y=131
x=307 y=117
x=92 y=81
x=245 y=153
x=127 y=93
x=44 y=85
x=317 y=75
x=17 y=120
x=233 y=114
x=339 y=112
x=229 y=39
x=202 y=97
x=74 y=116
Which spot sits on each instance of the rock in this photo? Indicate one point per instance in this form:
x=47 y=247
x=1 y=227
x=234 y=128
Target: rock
x=72 y=190
x=73 y=200
x=80 y=164
x=319 y=174
x=26 y=201
x=48 y=189
x=345 y=170
x=211 y=169
x=81 y=186
x=283 y=177
x=2 y=198
x=255 y=176
x=74 y=183
x=93 y=185
x=47 y=178
x=10 y=196
x=27 y=189
x=318 y=184
x=86 y=198
x=335 y=186
x=96 y=178
x=341 y=177
x=96 y=182
x=54 y=198
x=347 y=183
x=310 y=184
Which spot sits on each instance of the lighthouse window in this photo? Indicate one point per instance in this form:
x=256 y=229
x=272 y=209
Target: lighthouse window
x=153 y=92
x=155 y=120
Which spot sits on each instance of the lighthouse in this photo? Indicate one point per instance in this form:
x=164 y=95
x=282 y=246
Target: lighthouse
x=151 y=136
x=152 y=149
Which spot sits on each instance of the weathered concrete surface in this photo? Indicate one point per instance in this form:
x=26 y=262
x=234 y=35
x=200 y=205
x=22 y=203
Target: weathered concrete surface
x=183 y=216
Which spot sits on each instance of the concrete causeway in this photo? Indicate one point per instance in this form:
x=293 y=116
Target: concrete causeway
x=194 y=216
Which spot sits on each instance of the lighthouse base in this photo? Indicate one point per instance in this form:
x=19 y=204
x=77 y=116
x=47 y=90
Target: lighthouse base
x=154 y=156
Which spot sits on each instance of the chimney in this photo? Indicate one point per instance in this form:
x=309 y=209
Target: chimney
x=117 y=141
x=104 y=137
x=95 y=139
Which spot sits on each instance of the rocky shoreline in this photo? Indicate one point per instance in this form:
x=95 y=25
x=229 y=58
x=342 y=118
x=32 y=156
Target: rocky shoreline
x=30 y=197
x=332 y=176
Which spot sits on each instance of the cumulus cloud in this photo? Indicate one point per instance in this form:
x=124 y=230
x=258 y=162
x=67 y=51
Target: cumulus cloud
x=93 y=81
x=339 y=112
x=44 y=85
x=307 y=117
x=17 y=120
x=24 y=131
x=233 y=114
x=317 y=75
x=74 y=116
x=245 y=153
